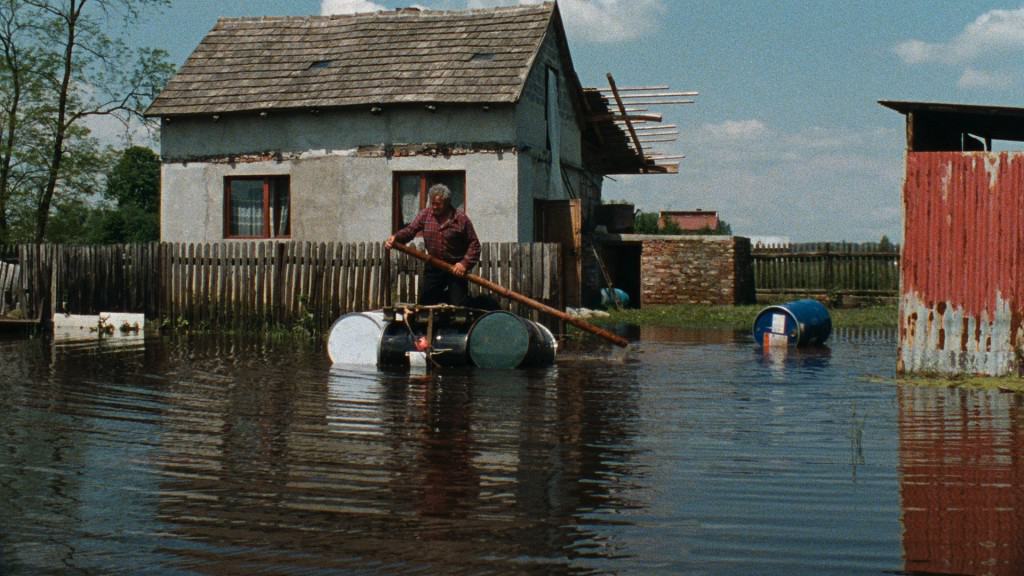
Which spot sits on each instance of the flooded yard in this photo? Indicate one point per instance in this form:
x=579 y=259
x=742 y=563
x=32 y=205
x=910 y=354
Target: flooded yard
x=694 y=454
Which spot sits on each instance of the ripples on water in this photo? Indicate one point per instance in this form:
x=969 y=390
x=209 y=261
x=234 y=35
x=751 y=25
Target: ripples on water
x=694 y=453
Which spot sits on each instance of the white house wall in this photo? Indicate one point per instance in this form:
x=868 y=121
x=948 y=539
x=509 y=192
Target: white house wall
x=340 y=197
x=340 y=166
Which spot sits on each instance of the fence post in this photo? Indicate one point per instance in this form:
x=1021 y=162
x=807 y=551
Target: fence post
x=829 y=272
x=279 y=268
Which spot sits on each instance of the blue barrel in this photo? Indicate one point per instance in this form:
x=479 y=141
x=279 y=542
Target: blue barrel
x=797 y=323
x=607 y=300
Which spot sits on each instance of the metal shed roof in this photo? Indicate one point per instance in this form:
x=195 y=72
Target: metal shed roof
x=938 y=125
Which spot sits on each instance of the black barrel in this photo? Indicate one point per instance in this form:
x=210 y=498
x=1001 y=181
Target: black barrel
x=397 y=340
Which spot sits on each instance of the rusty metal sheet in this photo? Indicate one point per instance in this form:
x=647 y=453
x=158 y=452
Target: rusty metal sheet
x=961 y=274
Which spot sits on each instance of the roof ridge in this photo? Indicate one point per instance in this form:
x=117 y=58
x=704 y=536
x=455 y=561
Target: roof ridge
x=397 y=13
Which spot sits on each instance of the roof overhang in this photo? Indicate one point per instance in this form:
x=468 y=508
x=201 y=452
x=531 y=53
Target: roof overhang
x=938 y=126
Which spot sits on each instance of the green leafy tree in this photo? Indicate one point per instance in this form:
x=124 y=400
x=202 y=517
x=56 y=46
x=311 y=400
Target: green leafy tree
x=61 y=66
x=133 y=197
x=135 y=179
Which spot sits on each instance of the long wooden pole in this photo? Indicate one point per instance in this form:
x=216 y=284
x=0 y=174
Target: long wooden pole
x=501 y=290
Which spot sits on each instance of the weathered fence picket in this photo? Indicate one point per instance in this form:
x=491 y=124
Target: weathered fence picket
x=825 y=268
x=247 y=284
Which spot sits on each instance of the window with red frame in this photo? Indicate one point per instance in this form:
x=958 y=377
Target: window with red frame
x=410 y=193
x=257 y=207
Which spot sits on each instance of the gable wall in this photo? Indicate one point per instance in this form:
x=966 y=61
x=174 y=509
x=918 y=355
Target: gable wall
x=531 y=136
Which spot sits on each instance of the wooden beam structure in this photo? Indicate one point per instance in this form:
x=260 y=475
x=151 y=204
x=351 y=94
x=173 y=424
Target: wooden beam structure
x=620 y=115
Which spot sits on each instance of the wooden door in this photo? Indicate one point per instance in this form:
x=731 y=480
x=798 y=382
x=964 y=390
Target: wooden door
x=561 y=221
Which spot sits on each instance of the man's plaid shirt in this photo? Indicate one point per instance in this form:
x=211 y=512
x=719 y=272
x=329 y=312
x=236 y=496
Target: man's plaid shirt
x=452 y=238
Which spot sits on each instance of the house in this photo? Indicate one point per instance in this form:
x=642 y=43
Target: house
x=962 y=269
x=333 y=127
x=689 y=220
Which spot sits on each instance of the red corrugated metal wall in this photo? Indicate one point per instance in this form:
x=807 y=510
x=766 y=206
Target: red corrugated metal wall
x=962 y=263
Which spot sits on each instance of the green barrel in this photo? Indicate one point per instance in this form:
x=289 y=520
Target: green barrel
x=501 y=339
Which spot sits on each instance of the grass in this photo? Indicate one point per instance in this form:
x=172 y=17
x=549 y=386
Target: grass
x=1013 y=384
x=740 y=317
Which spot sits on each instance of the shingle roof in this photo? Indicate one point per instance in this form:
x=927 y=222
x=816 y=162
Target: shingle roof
x=405 y=56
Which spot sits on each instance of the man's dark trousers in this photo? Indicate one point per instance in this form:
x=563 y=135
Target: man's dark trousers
x=440 y=287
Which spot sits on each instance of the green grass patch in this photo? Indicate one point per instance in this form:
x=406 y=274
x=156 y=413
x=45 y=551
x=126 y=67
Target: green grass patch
x=740 y=317
x=1001 y=383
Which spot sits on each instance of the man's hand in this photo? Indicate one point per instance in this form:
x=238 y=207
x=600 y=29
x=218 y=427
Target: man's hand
x=389 y=242
x=458 y=269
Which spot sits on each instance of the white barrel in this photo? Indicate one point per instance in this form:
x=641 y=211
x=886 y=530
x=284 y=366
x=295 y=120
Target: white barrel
x=355 y=338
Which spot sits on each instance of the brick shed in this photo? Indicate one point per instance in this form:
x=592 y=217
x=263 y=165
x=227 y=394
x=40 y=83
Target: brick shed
x=683 y=269
x=962 y=270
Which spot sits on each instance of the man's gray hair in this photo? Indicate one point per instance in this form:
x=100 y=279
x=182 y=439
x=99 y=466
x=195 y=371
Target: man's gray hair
x=440 y=191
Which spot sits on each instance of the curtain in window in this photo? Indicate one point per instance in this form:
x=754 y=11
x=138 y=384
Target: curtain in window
x=280 y=200
x=409 y=196
x=246 y=208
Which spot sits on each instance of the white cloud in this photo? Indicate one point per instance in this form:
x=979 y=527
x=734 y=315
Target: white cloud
x=735 y=130
x=972 y=78
x=993 y=33
x=817 y=184
x=328 y=7
x=916 y=51
x=599 y=20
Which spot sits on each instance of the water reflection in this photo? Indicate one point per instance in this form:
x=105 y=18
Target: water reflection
x=220 y=455
x=458 y=472
x=962 y=481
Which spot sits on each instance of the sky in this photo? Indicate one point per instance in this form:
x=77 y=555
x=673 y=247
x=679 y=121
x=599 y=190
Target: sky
x=786 y=137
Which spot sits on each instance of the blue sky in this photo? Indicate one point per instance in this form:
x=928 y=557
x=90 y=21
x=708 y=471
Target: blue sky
x=786 y=137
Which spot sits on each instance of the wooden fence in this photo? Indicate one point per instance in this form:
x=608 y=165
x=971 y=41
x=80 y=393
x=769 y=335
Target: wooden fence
x=827 y=269
x=255 y=284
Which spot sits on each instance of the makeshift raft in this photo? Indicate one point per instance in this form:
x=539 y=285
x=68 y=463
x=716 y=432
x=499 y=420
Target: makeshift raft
x=403 y=337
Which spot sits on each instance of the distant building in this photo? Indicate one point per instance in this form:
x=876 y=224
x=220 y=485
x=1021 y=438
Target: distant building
x=689 y=221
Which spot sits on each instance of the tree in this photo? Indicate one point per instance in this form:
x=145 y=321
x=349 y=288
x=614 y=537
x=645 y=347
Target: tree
x=20 y=83
x=133 y=186
x=135 y=179
x=80 y=71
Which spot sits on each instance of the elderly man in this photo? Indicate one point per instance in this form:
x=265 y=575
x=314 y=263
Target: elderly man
x=448 y=235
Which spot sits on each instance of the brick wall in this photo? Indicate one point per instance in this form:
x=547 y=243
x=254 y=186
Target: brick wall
x=695 y=270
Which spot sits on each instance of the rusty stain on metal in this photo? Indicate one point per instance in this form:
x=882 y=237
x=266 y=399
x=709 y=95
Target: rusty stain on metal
x=962 y=270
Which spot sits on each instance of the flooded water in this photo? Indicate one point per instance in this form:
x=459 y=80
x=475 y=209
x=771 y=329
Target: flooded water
x=693 y=454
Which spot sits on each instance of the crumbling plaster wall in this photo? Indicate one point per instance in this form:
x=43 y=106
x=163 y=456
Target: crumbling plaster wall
x=344 y=198
x=340 y=166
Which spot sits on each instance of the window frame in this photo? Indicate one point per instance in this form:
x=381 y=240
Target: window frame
x=267 y=179
x=424 y=185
